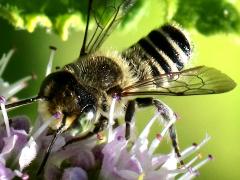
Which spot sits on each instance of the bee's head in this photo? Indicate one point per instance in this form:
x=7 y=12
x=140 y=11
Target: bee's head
x=65 y=94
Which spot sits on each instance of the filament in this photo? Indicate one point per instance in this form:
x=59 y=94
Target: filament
x=111 y=120
x=158 y=138
x=4 y=61
x=5 y=116
x=45 y=125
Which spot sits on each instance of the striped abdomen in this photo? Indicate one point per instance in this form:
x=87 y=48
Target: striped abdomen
x=164 y=50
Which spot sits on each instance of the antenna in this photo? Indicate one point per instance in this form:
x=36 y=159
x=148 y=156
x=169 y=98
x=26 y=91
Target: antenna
x=24 y=102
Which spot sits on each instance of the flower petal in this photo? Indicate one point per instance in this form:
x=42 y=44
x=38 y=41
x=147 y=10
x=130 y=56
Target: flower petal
x=126 y=174
x=22 y=139
x=75 y=173
x=6 y=173
x=9 y=143
x=28 y=153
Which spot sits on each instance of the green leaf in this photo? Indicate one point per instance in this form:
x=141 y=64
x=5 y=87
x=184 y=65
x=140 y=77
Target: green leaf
x=58 y=16
x=209 y=17
x=63 y=16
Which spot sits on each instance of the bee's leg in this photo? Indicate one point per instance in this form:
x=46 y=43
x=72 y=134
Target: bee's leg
x=55 y=136
x=116 y=123
x=144 y=102
x=128 y=117
x=99 y=126
x=166 y=114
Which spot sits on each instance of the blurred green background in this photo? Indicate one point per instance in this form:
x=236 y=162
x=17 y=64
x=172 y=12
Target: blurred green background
x=217 y=115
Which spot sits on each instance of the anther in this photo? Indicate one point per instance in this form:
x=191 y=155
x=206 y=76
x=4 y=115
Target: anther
x=195 y=144
x=2 y=100
x=57 y=115
x=100 y=136
x=116 y=96
x=199 y=156
x=120 y=138
x=210 y=157
x=159 y=136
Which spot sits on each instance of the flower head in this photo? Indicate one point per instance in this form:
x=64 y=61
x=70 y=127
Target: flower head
x=126 y=160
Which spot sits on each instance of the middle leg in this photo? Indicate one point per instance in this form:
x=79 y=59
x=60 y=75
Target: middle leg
x=166 y=114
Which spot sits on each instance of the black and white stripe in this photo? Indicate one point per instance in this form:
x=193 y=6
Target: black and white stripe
x=169 y=48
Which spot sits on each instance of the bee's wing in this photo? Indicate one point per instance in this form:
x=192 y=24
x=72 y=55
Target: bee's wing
x=195 y=81
x=104 y=15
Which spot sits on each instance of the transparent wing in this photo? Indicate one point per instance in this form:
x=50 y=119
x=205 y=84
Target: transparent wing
x=104 y=15
x=195 y=81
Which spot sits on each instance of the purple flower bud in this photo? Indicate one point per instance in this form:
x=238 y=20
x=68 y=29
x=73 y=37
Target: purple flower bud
x=74 y=174
x=21 y=123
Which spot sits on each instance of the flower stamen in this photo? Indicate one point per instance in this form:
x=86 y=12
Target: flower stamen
x=23 y=176
x=142 y=139
x=111 y=120
x=146 y=130
x=46 y=124
x=9 y=90
x=187 y=152
x=194 y=170
x=4 y=60
x=203 y=162
x=199 y=156
x=17 y=86
x=5 y=116
x=159 y=137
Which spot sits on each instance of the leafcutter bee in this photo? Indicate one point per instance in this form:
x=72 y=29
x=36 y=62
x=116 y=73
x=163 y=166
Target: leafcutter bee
x=83 y=90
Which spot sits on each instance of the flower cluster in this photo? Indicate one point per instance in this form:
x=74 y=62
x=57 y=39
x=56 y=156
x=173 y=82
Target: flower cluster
x=103 y=156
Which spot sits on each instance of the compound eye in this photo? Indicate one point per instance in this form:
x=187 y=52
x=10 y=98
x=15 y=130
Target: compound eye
x=85 y=121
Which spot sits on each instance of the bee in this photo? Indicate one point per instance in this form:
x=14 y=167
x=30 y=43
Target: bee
x=83 y=90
